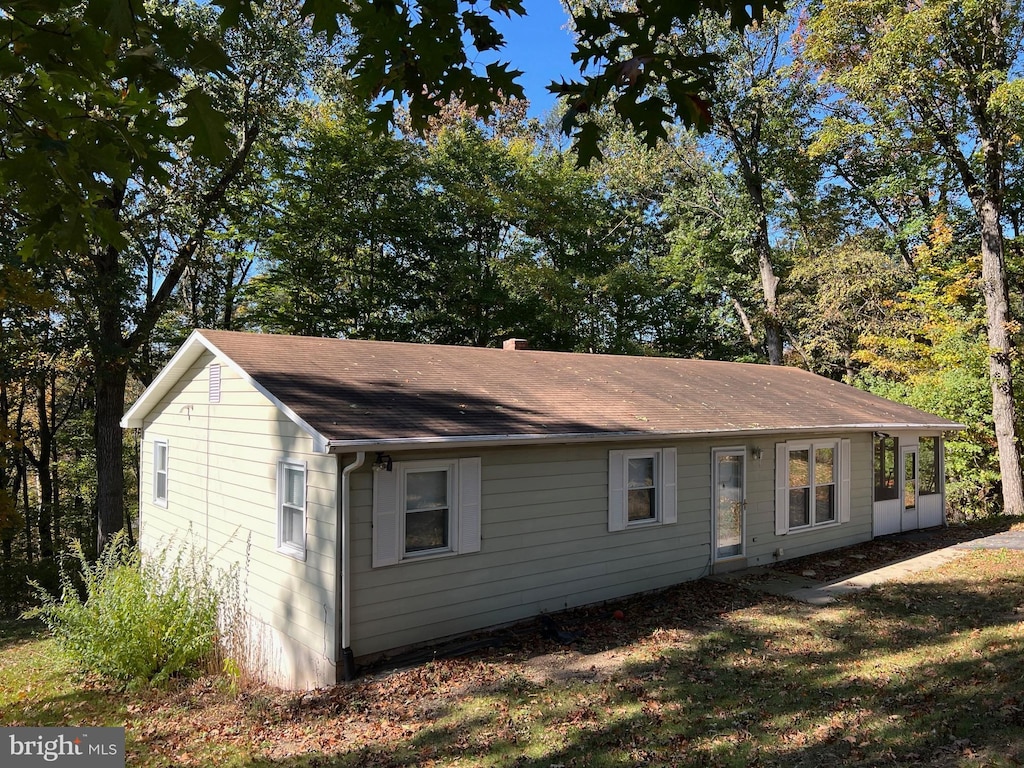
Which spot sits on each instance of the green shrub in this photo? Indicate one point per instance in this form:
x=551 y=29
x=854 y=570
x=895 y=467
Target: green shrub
x=134 y=618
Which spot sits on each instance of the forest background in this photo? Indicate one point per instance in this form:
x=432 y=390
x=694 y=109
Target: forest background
x=835 y=187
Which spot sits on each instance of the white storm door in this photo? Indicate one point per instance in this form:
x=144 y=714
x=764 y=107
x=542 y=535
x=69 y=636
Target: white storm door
x=729 y=499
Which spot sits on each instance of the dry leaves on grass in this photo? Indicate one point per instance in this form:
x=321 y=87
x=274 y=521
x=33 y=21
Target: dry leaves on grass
x=393 y=704
x=837 y=564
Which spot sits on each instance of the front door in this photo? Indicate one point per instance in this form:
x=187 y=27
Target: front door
x=729 y=499
x=909 y=487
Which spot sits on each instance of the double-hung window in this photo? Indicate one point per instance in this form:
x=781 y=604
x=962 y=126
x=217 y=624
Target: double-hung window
x=641 y=488
x=425 y=509
x=291 y=508
x=427 y=514
x=812 y=484
x=160 y=462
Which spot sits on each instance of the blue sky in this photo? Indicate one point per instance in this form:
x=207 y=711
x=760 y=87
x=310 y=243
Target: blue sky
x=539 y=45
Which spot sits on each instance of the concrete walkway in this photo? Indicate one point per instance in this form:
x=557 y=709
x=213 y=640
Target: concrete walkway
x=813 y=592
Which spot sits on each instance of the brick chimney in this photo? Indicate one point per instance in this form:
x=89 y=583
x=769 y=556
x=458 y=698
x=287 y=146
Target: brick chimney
x=515 y=344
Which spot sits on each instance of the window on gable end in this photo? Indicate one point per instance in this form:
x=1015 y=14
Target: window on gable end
x=291 y=508
x=160 y=474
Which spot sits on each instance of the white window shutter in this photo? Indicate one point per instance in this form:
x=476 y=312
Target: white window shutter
x=781 y=489
x=469 y=505
x=616 y=491
x=844 y=481
x=387 y=547
x=669 y=498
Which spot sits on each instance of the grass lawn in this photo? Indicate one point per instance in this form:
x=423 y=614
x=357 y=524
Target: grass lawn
x=924 y=673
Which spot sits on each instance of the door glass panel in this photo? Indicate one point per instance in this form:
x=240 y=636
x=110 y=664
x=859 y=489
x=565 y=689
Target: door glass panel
x=729 y=505
x=909 y=480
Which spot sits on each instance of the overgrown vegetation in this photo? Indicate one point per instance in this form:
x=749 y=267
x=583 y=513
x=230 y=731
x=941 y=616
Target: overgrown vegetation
x=920 y=673
x=136 y=619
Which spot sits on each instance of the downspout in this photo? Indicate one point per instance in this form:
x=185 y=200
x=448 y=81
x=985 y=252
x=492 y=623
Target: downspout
x=347 y=660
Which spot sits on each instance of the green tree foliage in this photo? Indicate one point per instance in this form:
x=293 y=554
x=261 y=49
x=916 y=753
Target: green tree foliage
x=635 y=59
x=940 y=77
x=839 y=296
x=348 y=221
x=471 y=236
x=171 y=145
x=928 y=350
x=748 y=191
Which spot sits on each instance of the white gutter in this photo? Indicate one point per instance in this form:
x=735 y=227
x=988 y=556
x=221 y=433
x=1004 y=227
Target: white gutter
x=344 y=559
x=472 y=441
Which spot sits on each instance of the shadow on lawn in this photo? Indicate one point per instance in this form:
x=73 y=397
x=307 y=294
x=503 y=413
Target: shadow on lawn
x=15 y=631
x=910 y=674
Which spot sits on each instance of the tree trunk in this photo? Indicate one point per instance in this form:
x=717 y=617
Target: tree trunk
x=997 y=316
x=747 y=150
x=44 y=475
x=22 y=468
x=111 y=382
x=748 y=329
x=772 y=318
x=55 y=476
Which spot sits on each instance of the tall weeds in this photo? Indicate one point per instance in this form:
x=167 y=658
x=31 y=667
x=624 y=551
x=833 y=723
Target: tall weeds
x=134 y=618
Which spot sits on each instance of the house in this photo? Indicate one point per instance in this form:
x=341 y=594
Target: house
x=380 y=495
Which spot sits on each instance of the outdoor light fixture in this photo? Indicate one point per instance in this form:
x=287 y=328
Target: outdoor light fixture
x=382 y=462
x=756 y=452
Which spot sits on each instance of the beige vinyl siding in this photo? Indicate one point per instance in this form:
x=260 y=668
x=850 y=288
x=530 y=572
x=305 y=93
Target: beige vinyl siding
x=545 y=547
x=222 y=492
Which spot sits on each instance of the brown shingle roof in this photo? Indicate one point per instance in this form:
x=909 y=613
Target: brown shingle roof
x=355 y=392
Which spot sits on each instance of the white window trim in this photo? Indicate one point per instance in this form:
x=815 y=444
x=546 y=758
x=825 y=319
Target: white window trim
x=665 y=471
x=290 y=548
x=158 y=500
x=452 y=469
x=842 y=483
x=389 y=513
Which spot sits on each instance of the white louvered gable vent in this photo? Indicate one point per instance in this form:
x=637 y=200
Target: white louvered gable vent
x=215 y=383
